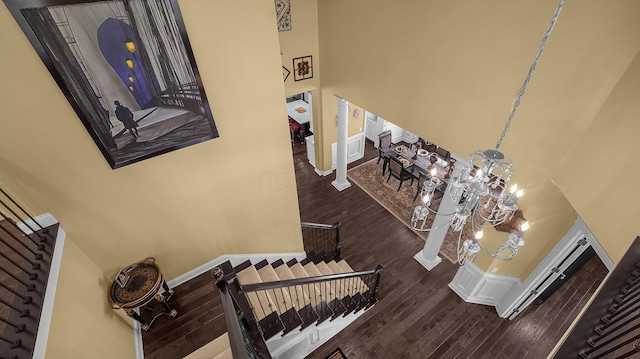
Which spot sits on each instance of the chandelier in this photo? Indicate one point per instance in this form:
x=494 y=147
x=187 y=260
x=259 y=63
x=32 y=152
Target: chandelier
x=480 y=191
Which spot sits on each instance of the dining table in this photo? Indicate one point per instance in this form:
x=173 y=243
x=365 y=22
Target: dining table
x=417 y=162
x=300 y=112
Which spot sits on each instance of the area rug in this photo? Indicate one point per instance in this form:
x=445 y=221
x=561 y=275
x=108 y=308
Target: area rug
x=368 y=176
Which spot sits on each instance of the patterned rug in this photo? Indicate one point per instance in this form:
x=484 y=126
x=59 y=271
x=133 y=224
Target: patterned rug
x=368 y=176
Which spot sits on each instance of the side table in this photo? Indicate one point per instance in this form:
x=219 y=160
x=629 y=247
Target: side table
x=136 y=290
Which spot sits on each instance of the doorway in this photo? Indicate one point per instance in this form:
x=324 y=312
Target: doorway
x=558 y=264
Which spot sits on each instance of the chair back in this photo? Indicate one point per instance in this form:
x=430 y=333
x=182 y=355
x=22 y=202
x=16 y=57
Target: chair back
x=395 y=166
x=443 y=153
x=385 y=139
x=430 y=147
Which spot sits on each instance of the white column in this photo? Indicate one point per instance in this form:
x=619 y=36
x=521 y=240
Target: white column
x=341 y=182
x=428 y=256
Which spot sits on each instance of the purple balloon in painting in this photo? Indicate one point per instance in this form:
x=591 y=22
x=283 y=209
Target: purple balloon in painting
x=112 y=35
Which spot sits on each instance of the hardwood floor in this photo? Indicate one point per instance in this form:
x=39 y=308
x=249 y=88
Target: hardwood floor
x=417 y=316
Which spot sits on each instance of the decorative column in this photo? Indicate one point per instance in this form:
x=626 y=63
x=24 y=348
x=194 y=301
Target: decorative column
x=341 y=183
x=428 y=256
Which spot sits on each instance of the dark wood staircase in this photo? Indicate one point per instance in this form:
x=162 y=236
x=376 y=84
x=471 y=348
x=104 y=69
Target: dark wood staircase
x=270 y=307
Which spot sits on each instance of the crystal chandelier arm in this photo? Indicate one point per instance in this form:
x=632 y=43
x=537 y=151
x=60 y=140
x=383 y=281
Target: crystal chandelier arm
x=526 y=80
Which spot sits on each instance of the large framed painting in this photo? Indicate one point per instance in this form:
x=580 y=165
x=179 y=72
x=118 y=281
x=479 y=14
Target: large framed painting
x=127 y=69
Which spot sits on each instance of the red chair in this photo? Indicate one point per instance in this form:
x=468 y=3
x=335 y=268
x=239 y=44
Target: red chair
x=294 y=127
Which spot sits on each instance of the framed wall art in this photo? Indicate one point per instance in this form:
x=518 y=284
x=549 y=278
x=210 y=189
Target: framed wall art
x=302 y=68
x=126 y=68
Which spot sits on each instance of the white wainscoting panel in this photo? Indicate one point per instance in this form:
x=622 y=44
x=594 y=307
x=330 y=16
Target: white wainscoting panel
x=476 y=286
x=355 y=149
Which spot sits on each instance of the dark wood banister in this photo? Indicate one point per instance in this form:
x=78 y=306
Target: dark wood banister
x=235 y=340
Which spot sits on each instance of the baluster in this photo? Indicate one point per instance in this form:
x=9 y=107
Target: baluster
x=46 y=230
x=25 y=300
x=38 y=256
x=32 y=276
x=587 y=353
x=20 y=218
x=21 y=312
x=14 y=343
x=17 y=327
x=603 y=334
x=14 y=225
x=30 y=287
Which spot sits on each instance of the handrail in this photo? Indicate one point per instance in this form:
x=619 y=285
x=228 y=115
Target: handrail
x=308 y=280
x=238 y=316
x=230 y=318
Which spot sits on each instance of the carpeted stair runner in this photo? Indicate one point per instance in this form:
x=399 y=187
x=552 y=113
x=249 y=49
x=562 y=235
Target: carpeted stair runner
x=219 y=348
x=285 y=309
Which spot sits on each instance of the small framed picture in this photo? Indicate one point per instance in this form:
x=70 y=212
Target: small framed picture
x=302 y=68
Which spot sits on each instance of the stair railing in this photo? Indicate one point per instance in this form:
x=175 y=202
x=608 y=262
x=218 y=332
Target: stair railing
x=321 y=241
x=319 y=298
x=609 y=327
x=243 y=331
x=26 y=249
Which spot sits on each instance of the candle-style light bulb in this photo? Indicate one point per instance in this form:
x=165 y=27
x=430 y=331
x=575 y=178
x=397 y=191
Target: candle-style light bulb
x=425 y=198
x=479 y=234
x=519 y=193
x=513 y=189
x=524 y=226
x=479 y=173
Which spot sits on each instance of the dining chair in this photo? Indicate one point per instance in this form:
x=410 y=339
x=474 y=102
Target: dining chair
x=397 y=170
x=384 y=144
x=443 y=153
x=430 y=147
x=294 y=127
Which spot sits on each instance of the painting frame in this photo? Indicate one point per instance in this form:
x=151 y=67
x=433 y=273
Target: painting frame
x=303 y=68
x=128 y=72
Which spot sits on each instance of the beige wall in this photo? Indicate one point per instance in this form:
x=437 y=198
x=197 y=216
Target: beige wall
x=83 y=324
x=608 y=154
x=185 y=207
x=301 y=40
x=450 y=71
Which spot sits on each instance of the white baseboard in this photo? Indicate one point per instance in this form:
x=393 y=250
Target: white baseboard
x=47 y=220
x=324 y=173
x=235 y=260
x=476 y=286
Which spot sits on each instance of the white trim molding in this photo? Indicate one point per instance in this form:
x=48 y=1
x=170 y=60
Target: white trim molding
x=46 y=312
x=569 y=248
x=235 y=260
x=476 y=286
x=355 y=149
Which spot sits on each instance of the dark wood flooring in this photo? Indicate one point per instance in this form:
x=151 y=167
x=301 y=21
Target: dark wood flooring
x=417 y=316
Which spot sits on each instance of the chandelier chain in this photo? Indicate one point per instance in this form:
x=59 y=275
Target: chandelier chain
x=526 y=80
